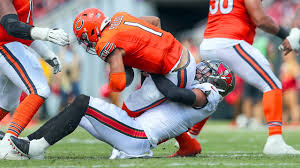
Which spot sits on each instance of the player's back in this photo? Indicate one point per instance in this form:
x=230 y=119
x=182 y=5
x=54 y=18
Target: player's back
x=24 y=12
x=147 y=47
x=229 y=19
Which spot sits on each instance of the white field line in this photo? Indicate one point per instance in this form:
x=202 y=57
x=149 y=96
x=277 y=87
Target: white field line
x=81 y=141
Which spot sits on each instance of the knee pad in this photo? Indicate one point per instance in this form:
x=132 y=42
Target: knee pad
x=80 y=104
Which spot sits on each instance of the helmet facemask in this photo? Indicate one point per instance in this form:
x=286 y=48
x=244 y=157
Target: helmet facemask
x=87 y=44
x=216 y=73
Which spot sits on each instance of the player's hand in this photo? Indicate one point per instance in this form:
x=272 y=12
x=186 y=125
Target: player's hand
x=292 y=42
x=285 y=47
x=55 y=63
x=56 y=36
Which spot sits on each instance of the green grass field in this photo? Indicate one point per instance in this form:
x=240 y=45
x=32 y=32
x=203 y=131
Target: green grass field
x=222 y=146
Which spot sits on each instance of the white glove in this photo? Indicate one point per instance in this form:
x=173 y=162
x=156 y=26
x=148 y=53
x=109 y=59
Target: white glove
x=294 y=38
x=212 y=95
x=56 y=36
x=51 y=58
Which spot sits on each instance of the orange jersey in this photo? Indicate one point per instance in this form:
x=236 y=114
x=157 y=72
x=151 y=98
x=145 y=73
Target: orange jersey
x=24 y=12
x=147 y=47
x=229 y=19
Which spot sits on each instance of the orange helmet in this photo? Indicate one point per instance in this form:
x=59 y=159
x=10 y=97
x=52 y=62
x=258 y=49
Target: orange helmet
x=87 y=27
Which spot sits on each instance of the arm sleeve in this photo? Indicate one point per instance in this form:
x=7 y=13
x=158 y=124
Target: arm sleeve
x=14 y=27
x=172 y=92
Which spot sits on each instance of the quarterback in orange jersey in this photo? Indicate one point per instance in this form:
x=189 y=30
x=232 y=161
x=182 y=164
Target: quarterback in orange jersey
x=228 y=37
x=20 y=70
x=125 y=40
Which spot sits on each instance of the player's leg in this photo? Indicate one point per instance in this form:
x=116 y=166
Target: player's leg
x=53 y=130
x=248 y=63
x=3 y=113
x=104 y=121
x=9 y=101
x=112 y=125
x=9 y=94
x=188 y=144
x=22 y=68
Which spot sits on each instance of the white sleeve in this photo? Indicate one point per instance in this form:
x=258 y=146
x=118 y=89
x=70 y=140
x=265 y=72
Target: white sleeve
x=40 y=48
x=212 y=93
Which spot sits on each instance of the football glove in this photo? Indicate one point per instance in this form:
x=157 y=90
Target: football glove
x=55 y=63
x=56 y=36
x=294 y=38
x=48 y=55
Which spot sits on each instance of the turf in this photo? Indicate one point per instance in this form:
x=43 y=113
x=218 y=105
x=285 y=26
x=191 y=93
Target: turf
x=223 y=146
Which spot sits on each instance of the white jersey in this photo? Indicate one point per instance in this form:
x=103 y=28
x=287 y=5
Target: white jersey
x=172 y=119
x=148 y=96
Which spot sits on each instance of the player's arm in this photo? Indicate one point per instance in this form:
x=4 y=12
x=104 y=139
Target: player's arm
x=264 y=22
x=117 y=76
x=195 y=97
x=49 y=56
x=14 y=27
x=152 y=20
x=292 y=42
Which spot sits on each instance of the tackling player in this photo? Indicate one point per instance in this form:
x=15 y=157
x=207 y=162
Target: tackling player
x=135 y=137
x=139 y=43
x=20 y=69
x=229 y=36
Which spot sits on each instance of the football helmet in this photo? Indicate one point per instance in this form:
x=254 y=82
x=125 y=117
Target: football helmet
x=217 y=73
x=88 y=26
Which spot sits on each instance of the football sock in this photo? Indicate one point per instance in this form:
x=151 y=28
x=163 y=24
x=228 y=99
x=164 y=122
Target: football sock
x=183 y=139
x=38 y=134
x=68 y=120
x=195 y=130
x=272 y=106
x=24 y=113
x=2 y=114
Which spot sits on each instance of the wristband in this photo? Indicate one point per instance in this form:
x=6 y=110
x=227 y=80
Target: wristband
x=282 y=33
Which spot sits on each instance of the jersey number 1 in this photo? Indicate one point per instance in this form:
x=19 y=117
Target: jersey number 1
x=220 y=3
x=143 y=28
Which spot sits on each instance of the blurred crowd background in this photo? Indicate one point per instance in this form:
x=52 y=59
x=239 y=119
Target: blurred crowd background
x=185 y=19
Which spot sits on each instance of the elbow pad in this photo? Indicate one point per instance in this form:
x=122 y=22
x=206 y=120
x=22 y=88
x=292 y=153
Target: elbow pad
x=117 y=81
x=15 y=28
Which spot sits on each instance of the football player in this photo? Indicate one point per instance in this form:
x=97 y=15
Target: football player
x=135 y=137
x=20 y=69
x=229 y=36
x=138 y=43
x=292 y=42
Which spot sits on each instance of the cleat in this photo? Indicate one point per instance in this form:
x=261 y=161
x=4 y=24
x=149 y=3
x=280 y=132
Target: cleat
x=7 y=152
x=21 y=146
x=190 y=148
x=275 y=145
x=1 y=135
